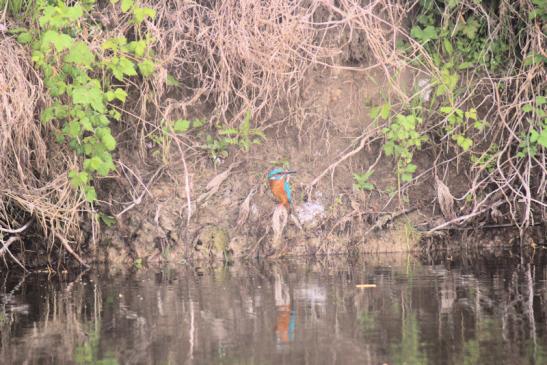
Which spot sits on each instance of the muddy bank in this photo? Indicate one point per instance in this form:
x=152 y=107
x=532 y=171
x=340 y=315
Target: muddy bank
x=231 y=207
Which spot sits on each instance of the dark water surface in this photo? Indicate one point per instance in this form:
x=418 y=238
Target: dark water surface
x=485 y=310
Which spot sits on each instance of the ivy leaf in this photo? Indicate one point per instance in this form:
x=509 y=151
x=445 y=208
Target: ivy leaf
x=540 y=100
x=146 y=68
x=80 y=54
x=527 y=108
x=384 y=113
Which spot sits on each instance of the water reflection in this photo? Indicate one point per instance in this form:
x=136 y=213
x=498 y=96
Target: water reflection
x=482 y=310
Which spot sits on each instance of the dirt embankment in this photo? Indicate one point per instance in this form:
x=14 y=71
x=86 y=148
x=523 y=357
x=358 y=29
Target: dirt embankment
x=232 y=211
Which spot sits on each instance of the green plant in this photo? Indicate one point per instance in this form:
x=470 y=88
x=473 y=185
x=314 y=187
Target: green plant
x=243 y=137
x=78 y=79
x=536 y=136
x=458 y=123
x=17 y=8
x=402 y=137
x=168 y=129
x=362 y=181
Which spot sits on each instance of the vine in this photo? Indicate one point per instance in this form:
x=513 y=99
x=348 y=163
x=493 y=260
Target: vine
x=79 y=80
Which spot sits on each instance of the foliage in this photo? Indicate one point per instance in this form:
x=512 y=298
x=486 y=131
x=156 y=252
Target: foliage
x=362 y=181
x=170 y=128
x=402 y=137
x=79 y=79
x=243 y=137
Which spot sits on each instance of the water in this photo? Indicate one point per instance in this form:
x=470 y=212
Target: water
x=484 y=310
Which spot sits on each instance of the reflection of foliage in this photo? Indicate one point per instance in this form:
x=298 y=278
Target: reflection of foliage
x=408 y=351
x=471 y=352
x=368 y=321
x=88 y=352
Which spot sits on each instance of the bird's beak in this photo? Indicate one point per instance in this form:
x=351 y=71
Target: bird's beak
x=289 y=172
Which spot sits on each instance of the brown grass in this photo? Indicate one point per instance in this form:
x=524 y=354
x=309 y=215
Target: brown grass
x=33 y=179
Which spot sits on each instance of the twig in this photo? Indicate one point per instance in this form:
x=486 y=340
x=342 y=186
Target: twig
x=5 y=248
x=65 y=244
x=18 y=230
x=139 y=198
x=186 y=182
x=364 y=138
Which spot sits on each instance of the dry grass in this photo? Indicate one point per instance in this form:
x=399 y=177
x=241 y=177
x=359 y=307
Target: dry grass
x=33 y=180
x=234 y=56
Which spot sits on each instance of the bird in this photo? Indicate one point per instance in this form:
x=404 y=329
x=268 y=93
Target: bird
x=280 y=186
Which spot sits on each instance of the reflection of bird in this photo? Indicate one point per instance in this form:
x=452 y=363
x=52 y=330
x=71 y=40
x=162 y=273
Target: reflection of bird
x=279 y=184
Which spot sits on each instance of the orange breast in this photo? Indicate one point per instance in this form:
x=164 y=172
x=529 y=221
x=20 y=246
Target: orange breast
x=278 y=191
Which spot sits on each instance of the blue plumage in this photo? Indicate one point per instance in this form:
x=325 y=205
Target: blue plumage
x=287 y=188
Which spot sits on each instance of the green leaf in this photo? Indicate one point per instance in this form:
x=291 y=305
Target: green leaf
x=471 y=28
x=527 y=108
x=534 y=136
x=446 y=109
x=542 y=140
x=448 y=46
x=114 y=44
x=540 y=100
x=108 y=141
x=108 y=220
x=465 y=65
x=73 y=129
x=78 y=179
x=534 y=59
x=137 y=47
x=87 y=95
x=141 y=13
x=120 y=94
x=471 y=114
x=24 y=38
x=127 y=67
x=59 y=41
x=126 y=5
x=384 y=113
x=172 y=81
x=146 y=67
x=181 y=126
x=90 y=194
x=80 y=54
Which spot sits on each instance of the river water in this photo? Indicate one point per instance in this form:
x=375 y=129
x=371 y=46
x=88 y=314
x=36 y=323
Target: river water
x=381 y=309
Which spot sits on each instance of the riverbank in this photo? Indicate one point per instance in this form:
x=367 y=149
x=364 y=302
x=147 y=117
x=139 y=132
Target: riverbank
x=396 y=143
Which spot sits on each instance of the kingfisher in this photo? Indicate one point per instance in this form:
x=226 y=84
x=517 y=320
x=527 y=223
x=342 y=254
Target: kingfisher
x=279 y=184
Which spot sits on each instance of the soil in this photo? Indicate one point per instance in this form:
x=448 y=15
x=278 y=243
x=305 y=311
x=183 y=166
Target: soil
x=234 y=218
